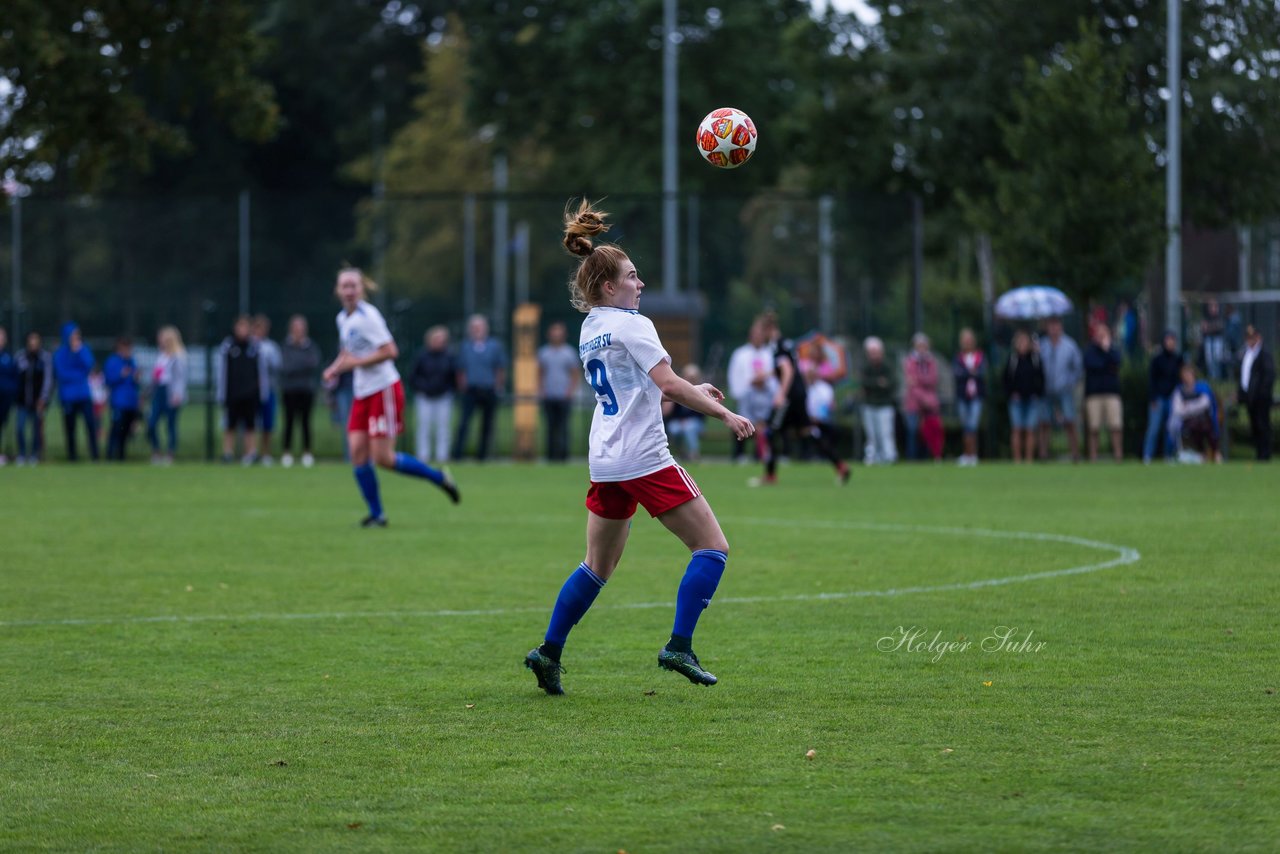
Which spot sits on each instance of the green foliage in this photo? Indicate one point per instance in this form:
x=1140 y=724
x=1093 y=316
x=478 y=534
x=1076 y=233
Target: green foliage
x=1077 y=204
x=102 y=89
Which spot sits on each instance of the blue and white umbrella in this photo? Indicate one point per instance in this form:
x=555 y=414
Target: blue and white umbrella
x=1032 y=302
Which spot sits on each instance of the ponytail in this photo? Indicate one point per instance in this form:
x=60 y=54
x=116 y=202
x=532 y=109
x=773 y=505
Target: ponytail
x=599 y=264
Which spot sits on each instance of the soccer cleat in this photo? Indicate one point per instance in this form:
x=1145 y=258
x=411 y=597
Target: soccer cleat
x=450 y=487
x=843 y=471
x=546 y=669
x=373 y=522
x=686 y=664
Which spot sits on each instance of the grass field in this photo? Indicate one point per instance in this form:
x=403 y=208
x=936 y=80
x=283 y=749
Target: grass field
x=215 y=658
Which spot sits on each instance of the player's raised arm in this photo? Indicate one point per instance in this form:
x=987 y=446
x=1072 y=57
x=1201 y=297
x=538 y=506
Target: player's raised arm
x=704 y=398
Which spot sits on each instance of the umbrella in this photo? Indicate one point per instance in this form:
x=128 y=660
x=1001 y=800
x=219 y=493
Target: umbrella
x=1032 y=302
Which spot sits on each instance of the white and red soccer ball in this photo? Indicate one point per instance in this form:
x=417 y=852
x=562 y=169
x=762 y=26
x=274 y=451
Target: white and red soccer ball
x=726 y=138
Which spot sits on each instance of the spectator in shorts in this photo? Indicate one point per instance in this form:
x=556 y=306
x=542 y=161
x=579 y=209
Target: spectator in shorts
x=434 y=380
x=121 y=375
x=1103 y=408
x=920 y=402
x=242 y=389
x=1024 y=386
x=684 y=425
x=482 y=368
x=8 y=387
x=1257 y=379
x=168 y=392
x=1063 y=369
x=752 y=385
x=878 y=413
x=1193 y=414
x=72 y=365
x=35 y=386
x=559 y=372
x=1162 y=379
x=269 y=353
x=299 y=369
x=969 y=368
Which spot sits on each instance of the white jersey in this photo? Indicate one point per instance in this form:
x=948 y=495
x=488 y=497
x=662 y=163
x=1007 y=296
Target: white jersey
x=618 y=348
x=361 y=333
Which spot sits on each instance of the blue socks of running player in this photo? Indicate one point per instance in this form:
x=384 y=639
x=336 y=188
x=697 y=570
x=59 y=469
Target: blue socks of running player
x=411 y=465
x=367 y=479
x=579 y=591
x=696 y=589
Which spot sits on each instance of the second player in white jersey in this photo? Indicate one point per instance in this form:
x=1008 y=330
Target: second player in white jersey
x=618 y=348
x=361 y=332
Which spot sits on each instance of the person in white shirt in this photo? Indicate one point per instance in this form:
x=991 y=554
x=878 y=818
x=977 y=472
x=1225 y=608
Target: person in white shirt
x=168 y=392
x=630 y=372
x=753 y=384
x=1257 y=379
x=377 y=415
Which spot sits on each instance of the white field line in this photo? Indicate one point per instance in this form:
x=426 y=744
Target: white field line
x=1123 y=555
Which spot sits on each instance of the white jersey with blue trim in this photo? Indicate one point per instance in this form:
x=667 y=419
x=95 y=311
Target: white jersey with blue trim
x=361 y=333
x=618 y=348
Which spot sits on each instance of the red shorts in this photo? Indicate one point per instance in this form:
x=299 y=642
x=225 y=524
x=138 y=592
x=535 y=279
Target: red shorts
x=658 y=492
x=381 y=414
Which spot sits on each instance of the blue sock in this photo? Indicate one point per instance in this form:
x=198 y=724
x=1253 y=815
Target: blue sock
x=696 y=589
x=367 y=478
x=411 y=465
x=579 y=591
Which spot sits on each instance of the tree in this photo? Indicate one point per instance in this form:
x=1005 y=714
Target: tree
x=1078 y=204
x=96 y=90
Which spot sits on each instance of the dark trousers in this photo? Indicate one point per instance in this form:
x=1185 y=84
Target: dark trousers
x=1260 y=427
x=297 y=405
x=34 y=417
x=83 y=408
x=486 y=400
x=6 y=403
x=122 y=421
x=555 y=415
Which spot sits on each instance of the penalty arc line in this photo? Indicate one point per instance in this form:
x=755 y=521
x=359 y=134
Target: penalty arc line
x=1124 y=555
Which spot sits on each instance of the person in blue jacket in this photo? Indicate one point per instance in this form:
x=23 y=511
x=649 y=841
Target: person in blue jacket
x=8 y=387
x=121 y=376
x=72 y=363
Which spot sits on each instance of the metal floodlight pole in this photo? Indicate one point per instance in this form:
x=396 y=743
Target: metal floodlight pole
x=522 y=262
x=670 y=176
x=17 y=268
x=244 y=251
x=500 y=243
x=469 y=255
x=1173 y=172
x=826 y=265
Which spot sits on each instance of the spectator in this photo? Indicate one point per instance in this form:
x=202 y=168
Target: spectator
x=8 y=387
x=969 y=368
x=1193 y=414
x=269 y=353
x=1256 y=378
x=1102 y=405
x=559 y=370
x=1233 y=336
x=121 y=376
x=242 y=389
x=1024 y=386
x=753 y=384
x=340 y=393
x=1162 y=379
x=72 y=365
x=820 y=402
x=168 y=392
x=1063 y=369
x=684 y=425
x=920 y=402
x=299 y=367
x=1213 y=341
x=1127 y=329
x=434 y=380
x=35 y=385
x=482 y=366
x=878 y=414
x=100 y=396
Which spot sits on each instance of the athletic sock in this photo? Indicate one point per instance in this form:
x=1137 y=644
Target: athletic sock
x=579 y=591
x=680 y=644
x=367 y=478
x=551 y=650
x=696 y=589
x=411 y=465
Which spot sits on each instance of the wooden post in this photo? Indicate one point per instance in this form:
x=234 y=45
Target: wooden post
x=524 y=384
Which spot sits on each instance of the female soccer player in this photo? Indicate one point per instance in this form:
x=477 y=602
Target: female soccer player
x=377 y=416
x=630 y=372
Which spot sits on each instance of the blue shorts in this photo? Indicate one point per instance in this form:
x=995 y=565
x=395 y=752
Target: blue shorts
x=1063 y=402
x=970 y=414
x=1024 y=413
x=267 y=413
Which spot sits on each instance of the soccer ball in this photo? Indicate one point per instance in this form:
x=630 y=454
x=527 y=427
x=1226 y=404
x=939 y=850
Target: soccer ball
x=726 y=138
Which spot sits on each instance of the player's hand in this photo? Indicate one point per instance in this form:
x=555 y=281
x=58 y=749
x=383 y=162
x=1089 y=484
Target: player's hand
x=742 y=428
x=711 y=391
